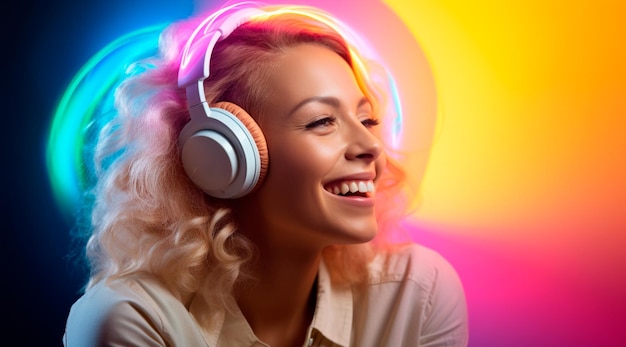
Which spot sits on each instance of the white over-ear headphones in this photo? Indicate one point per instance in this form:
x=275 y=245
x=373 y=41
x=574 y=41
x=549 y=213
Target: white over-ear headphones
x=222 y=148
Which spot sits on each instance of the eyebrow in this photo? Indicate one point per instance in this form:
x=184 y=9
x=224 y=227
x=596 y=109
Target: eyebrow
x=328 y=100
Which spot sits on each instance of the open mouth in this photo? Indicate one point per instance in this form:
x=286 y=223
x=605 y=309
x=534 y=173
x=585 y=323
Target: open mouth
x=352 y=188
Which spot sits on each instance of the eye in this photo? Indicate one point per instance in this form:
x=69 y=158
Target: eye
x=370 y=122
x=322 y=122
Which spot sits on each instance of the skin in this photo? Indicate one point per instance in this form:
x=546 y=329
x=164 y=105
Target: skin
x=320 y=129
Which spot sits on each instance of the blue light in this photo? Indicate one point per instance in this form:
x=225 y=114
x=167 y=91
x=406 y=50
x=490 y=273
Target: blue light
x=88 y=101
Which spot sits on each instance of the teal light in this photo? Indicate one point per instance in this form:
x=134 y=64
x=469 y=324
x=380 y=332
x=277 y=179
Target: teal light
x=396 y=127
x=88 y=97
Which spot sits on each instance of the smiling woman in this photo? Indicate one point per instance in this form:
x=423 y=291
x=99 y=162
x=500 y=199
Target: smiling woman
x=244 y=196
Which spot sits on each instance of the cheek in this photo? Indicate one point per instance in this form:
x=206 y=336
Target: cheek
x=303 y=160
x=293 y=187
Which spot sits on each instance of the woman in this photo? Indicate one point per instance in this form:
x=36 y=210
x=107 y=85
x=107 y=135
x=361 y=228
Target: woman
x=244 y=197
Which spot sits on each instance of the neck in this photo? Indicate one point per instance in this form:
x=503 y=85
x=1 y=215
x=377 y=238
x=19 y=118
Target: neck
x=279 y=301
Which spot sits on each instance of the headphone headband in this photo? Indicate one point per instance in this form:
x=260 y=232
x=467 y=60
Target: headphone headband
x=196 y=58
x=195 y=61
x=222 y=149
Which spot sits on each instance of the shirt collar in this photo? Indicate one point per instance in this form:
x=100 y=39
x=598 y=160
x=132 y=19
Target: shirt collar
x=209 y=320
x=333 y=311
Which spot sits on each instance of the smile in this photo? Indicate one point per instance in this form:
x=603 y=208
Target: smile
x=352 y=188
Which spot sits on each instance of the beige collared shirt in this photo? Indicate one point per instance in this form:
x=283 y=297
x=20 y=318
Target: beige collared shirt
x=413 y=298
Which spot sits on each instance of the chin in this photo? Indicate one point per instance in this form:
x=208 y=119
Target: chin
x=357 y=234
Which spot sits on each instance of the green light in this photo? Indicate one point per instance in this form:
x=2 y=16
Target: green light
x=88 y=97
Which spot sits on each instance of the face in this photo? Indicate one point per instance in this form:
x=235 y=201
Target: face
x=324 y=156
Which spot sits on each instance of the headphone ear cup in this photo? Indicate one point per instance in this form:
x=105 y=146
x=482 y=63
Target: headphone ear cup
x=224 y=153
x=254 y=130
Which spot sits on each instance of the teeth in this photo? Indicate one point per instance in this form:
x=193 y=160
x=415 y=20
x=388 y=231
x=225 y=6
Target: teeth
x=352 y=187
x=362 y=187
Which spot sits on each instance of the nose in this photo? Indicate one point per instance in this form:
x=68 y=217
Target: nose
x=362 y=143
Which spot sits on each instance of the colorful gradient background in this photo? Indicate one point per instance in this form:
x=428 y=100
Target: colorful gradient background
x=522 y=137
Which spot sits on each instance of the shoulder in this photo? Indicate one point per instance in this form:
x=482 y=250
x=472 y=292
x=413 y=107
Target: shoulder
x=411 y=262
x=138 y=311
x=109 y=310
x=116 y=296
x=418 y=297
